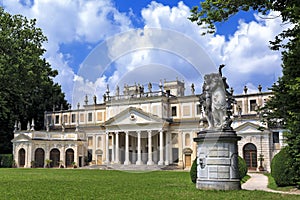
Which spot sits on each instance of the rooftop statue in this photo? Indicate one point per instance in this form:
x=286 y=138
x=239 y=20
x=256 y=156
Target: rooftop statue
x=217 y=101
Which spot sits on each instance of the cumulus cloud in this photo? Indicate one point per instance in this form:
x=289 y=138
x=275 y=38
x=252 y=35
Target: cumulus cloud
x=168 y=45
x=64 y=22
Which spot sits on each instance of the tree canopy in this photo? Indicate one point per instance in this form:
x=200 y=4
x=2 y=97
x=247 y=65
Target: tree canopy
x=27 y=88
x=283 y=109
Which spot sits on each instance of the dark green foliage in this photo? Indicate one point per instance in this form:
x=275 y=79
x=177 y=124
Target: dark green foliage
x=26 y=78
x=243 y=169
x=193 y=171
x=6 y=160
x=281 y=171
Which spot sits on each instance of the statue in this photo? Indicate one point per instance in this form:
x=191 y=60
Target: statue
x=150 y=87
x=217 y=101
x=117 y=91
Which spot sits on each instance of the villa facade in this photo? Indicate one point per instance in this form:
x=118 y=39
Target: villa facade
x=142 y=127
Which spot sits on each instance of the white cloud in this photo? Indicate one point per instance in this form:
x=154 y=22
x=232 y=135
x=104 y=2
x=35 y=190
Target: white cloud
x=64 y=22
x=174 y=49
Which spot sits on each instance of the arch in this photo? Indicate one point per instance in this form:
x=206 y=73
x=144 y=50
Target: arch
x=250 y=155
x=55 y=157
x=69 y=157
x=21 y=157
x=187 y=139
x=39 y=157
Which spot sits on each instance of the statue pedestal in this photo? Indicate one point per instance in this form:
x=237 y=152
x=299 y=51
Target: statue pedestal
x=217 y=160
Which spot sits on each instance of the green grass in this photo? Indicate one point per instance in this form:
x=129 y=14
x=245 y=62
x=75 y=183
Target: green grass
x=272 y=184
x=101 y=184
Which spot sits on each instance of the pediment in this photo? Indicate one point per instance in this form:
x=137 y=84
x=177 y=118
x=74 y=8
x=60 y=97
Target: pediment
x=132 y=116
x=248 y=127
x=22 y=137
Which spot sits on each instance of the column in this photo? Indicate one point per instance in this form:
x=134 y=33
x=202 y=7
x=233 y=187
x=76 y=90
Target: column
x=126 y=162
x=150 y=161
x=107 y=148
x=117 y=148
x=167 y=148
x=112 y=148
x=161 y=148
x=180 y=145
x=94 y=148
x=139 y=158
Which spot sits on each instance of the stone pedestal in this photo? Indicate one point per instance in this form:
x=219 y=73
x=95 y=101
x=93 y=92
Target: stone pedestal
x=217 y=163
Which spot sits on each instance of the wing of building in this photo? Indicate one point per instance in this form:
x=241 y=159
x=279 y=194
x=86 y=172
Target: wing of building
x=140 y=127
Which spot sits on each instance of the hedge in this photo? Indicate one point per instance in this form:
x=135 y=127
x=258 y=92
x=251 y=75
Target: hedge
x=281 y=171
x=193 y=171
x=6 y=160
x=243 y=169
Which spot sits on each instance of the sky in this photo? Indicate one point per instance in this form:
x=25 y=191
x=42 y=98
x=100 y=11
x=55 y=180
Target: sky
x=93 y=43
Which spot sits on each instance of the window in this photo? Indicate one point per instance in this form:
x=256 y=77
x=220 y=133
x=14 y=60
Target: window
x=253 y=105
x=275 y=137
x=90 y=141
x=198 y=109
x=57 y=119
x=174 y=111
x=90 y=117
x=73 y=118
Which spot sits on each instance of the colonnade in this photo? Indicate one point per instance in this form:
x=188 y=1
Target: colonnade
x=164 y=147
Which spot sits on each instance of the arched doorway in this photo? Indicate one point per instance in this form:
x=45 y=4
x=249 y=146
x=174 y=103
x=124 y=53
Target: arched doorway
x=69 y=157
x=55 y=157
x=39 y=157
x=22 y=157
x=250 y=156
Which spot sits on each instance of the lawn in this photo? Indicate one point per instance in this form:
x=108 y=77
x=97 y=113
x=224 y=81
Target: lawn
x=108 y=184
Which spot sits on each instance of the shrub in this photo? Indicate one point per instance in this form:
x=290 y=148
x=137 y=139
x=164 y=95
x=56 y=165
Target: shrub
x=6 y=160
x=281 y=170
x=193 y=171
x=243 y=169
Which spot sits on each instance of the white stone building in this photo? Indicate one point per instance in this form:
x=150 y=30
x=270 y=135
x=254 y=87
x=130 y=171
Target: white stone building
x=140 y=127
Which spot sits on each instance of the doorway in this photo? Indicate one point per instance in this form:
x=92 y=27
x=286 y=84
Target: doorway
x=250 y=156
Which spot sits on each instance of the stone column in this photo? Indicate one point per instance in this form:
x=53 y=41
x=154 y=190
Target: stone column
x=112 y=148
x=94 y=147
x=139 y=156
x=107 y=148
x=150 y=161
x=180 y=145
x=117 y=160
x=161 y=148
x=167 y=148
x=126 y=162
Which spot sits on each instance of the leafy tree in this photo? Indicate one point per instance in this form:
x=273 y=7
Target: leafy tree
x=283 y=109
x=26 y=78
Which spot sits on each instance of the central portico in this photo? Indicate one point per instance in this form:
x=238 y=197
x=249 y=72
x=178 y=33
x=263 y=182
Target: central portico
x=137 y=137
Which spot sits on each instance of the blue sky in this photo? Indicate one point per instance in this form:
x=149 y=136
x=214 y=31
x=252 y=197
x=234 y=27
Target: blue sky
x=93 y=43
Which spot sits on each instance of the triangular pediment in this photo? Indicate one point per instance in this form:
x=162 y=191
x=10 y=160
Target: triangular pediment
x=22 y=137
x=133 y=116
x=248 y=127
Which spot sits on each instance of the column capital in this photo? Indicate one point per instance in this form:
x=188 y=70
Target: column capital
x=139 y=131
x=116 y=132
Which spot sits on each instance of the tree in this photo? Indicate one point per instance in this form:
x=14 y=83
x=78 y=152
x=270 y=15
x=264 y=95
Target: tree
x=283 y=108
x=27 y=88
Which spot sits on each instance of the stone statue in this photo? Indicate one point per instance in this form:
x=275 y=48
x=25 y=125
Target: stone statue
x=117 y=91
x=217 y=101
x=150 y=87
